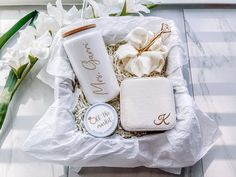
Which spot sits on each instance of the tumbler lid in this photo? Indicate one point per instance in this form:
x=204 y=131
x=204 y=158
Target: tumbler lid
x=76 y=30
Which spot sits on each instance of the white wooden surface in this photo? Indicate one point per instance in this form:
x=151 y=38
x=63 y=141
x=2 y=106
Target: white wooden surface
x=29 y=104
x=209 y=36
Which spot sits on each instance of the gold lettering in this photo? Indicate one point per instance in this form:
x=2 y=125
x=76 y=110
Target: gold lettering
x=92 y=63
x=162 y=119
x=98 y=88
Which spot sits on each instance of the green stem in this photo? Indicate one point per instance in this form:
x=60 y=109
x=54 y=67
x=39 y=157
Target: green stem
x=23 y=77
x=6 y=95
x=3 y=111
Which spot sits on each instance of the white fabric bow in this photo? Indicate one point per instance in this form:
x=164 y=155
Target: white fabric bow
x=142 y=63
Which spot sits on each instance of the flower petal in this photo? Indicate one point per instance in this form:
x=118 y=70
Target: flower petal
x=16 y=58
x=45 y=23
x=26 y=38
x=40 y=47
x=44 y=41
x=133 y=6
x=141 y=8
x=58 y=13
x=42 y=53
x=98 y=9
x=71 y=16
x=113 y=7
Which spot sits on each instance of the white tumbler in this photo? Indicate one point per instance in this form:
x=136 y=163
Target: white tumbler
x=90 y=61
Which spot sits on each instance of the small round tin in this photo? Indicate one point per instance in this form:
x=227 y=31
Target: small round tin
x=100 y=120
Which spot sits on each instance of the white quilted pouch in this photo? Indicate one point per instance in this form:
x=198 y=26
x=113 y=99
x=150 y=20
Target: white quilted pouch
x=147 y=104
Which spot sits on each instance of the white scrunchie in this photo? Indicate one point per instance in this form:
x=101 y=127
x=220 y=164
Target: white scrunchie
x=146 y=62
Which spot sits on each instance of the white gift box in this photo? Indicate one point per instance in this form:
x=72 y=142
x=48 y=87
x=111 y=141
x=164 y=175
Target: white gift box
x=55 y=137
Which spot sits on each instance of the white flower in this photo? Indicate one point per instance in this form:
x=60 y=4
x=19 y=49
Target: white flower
x=26 y=38
x=143 y=63
x=16 y=58
x=28 y=43
x=45 y=23
x=94 y=10
x=89 y=13
x=31 y=43
x=61 y=15
x=55 y=18
x=108 y=7
x=17 y=55
x=36 y=41
x=132 y=6
x=40 y=46
x=72 y=15
x=113 y=7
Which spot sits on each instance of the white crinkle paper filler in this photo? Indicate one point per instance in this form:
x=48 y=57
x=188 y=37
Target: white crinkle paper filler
x=55 y=138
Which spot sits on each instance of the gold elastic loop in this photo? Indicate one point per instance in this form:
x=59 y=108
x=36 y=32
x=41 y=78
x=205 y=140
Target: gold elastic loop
x=165 y=28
